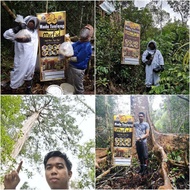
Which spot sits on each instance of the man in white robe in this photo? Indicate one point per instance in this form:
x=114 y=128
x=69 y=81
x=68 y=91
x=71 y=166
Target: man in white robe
x=25 y=54
x=153 y=59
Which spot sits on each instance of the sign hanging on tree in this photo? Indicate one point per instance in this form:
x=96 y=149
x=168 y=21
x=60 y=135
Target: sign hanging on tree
x=51 y=35
x=131 y=44
x=123 y=135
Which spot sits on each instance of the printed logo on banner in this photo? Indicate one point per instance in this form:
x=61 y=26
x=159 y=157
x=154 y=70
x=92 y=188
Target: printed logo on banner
x=51 y=35
x=123 y=135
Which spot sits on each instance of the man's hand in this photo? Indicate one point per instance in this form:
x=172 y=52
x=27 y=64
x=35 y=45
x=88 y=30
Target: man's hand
x=139 y=139
x=19 y=27
x=149 y=62
x=12 y=180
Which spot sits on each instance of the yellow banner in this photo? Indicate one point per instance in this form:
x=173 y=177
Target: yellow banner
x=123 y=138
x=123 y=118
x=131 y=43
x=122 y=130
x=51 y=35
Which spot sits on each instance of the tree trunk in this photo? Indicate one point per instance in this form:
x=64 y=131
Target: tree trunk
x=169 y=113
x=162 y=157
x=160 y=142
x=24 y=133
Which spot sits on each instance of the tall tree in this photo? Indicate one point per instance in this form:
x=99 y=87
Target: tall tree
x=160 y=16
x=172 y=116
x=181 y=7
x=86 y=158
x=52 y=125
x=10 y=117
x=104 y=116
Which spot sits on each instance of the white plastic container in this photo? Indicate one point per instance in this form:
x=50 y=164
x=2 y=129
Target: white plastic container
x=67 y=88
x=54 y=90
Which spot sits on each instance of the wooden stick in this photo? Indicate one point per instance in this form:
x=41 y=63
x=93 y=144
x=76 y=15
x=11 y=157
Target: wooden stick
x=104 y=174
x=7 y=9
x=47 y=6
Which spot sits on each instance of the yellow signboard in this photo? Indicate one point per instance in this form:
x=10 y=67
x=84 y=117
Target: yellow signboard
x=51 y=35
x=123 y=135
x=131 y=43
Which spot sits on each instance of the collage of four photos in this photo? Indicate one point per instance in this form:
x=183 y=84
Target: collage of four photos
x=94 y=94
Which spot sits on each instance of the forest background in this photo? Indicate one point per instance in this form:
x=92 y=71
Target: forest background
x=172 y=38
x=31 y=126
x=78 y=14
x=168 y=141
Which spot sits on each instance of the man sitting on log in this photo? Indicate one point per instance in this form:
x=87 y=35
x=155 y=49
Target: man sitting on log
x=141 y=133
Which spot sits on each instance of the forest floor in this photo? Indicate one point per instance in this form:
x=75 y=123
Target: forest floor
x=38 y=87
x=127 y=177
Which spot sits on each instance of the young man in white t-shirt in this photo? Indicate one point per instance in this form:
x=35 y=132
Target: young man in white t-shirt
x=142 y=132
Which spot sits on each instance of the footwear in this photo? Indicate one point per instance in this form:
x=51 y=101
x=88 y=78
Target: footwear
x=29 y=87
x=141 y=169
x=145 y=171
x=148 y=89
x=145 y=167
x=28 y=90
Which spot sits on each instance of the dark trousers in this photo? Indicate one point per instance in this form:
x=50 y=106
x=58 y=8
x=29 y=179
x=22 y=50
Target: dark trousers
x=142 y=151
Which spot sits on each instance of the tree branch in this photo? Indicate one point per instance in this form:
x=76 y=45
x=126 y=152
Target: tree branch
x=85 y=104
x=183 y=97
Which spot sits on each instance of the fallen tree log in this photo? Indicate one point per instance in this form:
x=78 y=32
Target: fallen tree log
x=170 y=141
x=104 y=173
x=180 y=164
x=101 y=152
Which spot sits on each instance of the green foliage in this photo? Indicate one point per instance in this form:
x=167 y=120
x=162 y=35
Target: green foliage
x=173 y=116
x=105 y=109
x=178 y=174
x=108 y=50
x=10 y=106
x=78 y=13
x=86 y=169
x=175 y=49
x=175 y=155
x=7 y=144
x=27 y=186
x=174 y=81
x=181 y=7
x=55 y=129
x=112 y=77
x=11 y=119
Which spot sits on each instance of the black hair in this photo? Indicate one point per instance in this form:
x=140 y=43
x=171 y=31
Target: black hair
x=32 y=21
x=58 y=154
x=142 y=113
